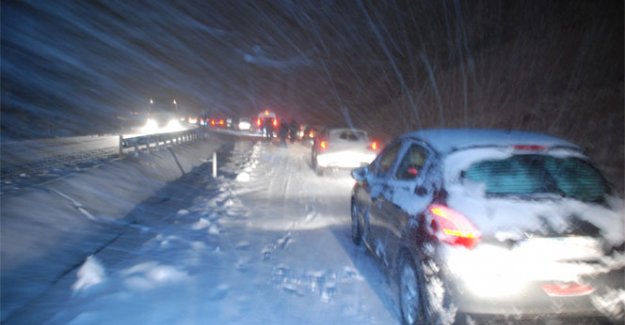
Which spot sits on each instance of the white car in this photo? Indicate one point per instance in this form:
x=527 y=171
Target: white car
x=342 y=148
x=244 y=124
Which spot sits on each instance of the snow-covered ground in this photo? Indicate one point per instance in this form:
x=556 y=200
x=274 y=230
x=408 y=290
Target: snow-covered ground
x=266 y=242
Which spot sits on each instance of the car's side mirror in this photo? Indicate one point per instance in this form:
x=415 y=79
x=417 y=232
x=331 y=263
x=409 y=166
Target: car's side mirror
x=359 y=174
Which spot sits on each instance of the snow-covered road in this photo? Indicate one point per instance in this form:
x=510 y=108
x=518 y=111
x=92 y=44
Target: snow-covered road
x=266 y=242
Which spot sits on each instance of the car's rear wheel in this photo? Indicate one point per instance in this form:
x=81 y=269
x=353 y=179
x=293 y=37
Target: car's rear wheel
x=412 y=298
x=356 y=234
x=318 y=170
x=423 y=300
x=314 y=163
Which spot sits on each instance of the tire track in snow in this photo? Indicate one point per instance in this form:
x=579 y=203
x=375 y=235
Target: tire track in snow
x=289 y=185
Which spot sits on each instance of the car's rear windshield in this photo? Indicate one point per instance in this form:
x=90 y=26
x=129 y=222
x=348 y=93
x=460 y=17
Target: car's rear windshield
x=349 y=135
x=528 y=175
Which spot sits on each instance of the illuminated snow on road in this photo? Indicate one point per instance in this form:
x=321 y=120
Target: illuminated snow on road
x=266 y=242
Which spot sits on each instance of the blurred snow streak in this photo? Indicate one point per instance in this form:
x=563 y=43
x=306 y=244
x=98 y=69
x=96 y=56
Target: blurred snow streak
x=553 y=66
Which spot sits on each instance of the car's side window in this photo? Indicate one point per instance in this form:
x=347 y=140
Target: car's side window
x=386 y=159
x=412 y=163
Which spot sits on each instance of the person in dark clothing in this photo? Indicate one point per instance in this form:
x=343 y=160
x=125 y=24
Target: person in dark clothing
x=283 y=133
x=293 y=129
x=268 y=123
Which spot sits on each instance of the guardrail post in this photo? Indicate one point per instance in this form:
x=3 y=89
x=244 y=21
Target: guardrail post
x=121 y=145
x=214 y=164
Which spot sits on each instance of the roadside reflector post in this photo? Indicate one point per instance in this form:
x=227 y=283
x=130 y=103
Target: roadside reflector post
x=121 y=145
x=214 y=164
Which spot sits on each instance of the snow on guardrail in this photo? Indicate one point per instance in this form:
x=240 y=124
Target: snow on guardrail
x=154 y=141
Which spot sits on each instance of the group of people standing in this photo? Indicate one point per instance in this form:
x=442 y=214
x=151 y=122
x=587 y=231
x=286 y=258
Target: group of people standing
x=285 y=130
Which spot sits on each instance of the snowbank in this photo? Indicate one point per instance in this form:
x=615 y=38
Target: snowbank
x=49 y=229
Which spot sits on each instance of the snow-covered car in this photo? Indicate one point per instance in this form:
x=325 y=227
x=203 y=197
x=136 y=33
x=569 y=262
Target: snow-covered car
x=492 y=223
x=342 y=148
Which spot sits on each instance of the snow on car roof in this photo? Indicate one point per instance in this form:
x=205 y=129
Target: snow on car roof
x=345 y=129
x=448 y=140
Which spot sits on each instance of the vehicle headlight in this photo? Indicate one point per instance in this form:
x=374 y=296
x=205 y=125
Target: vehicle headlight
x=150 y=126
x=173 y=125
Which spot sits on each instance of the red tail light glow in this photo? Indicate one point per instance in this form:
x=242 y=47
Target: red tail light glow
x=452 y=227
x=275 y=122
x=212 y=122
x=323 y=145
x=374 y=145
x=221 y=122
x=529 y=147
x=567 y=289
x=258 y=122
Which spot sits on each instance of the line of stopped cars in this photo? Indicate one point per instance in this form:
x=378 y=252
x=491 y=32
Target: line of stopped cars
x=477 y=225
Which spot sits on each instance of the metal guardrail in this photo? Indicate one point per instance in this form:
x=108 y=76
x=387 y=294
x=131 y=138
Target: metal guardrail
x=154 y=141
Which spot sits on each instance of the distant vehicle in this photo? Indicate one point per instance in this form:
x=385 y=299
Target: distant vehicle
x=192 y=120
x=267 y=120
x=310 y=133
x=162 y=116
x=267 y=116
x=218 y=122
x=491 y=223
x=245 y=124
x=342 y=148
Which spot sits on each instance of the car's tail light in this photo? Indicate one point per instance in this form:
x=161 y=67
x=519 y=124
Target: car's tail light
x=258 y=122
x=528 y=147
x=212 y=122
x=373 y=146
x=452 y=227
x=311 y=134
x=323 y=144
x=567 y=289
x=221 y=122
x=275 y=122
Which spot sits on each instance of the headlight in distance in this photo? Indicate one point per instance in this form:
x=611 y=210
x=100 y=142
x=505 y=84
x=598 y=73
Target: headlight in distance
x=173 y=125
x=150 y=126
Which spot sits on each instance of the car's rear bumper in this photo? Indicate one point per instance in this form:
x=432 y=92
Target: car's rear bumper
x=607 y=301
x=344 y=159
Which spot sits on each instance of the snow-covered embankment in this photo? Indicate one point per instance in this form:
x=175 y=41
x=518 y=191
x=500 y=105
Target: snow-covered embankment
x=49 y=229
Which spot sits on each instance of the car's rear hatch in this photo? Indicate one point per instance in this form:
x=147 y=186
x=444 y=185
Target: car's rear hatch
x=549 y=231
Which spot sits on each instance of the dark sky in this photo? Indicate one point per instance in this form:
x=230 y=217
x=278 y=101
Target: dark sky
x=85 y=61
x=75 y=66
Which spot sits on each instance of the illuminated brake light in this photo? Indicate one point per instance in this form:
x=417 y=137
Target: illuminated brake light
x=275 y=122
x=221 y=122
x=266 y=112
x=258 y=121
x=323 y=145
x=374 y=145
x=567 y=289
x=529 y=147
x=452 y=227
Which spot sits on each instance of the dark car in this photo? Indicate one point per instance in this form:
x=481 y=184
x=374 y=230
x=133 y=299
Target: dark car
x=491 y=223
x=310 y=133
